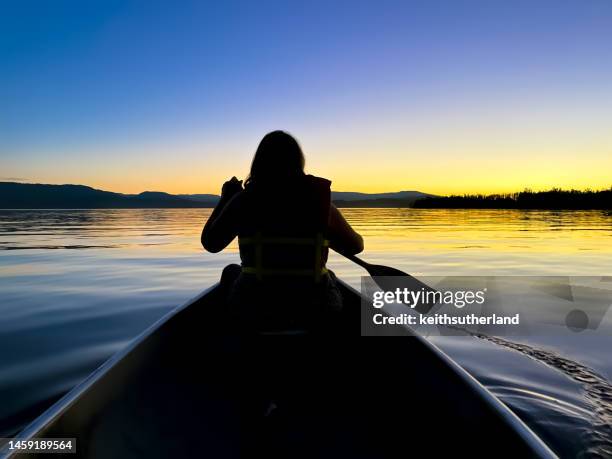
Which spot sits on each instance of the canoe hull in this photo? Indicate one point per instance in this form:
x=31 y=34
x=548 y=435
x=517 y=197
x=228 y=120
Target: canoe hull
x=189 y=387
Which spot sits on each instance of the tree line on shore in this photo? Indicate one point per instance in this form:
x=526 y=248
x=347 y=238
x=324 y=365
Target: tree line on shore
x=555 y=198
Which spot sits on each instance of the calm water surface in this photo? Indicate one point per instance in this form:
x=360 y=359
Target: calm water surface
x=78 y=285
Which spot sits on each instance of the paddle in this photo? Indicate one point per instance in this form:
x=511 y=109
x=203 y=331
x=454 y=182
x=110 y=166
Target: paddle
x=388 y=278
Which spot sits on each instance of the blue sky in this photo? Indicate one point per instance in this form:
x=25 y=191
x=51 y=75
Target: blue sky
x=445 y=96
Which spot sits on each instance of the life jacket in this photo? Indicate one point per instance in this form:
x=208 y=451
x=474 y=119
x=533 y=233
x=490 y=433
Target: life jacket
x=283 y=231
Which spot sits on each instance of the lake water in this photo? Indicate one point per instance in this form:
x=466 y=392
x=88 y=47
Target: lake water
x=78 y=285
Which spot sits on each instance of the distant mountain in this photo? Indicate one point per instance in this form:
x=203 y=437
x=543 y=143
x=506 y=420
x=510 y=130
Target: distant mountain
x=345 y=198
x=380 y=202
x=39 y=196
x=208 y=198
x=354 y=196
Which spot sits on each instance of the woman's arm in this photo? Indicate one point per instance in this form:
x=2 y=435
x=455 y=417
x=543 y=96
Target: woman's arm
x=342 y=237
x=222 y=225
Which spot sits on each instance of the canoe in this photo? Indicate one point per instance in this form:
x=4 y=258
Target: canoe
x=194 y=386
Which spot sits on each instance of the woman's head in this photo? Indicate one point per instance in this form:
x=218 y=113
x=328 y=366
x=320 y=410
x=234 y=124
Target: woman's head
x=278 y=158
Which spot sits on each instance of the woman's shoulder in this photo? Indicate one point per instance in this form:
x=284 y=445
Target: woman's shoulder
x=319 y=181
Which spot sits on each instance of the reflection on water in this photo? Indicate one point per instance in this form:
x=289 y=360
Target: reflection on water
x=77 y=285
x=474 y=242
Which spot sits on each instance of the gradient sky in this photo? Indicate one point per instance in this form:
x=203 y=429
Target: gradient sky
x=439 y=96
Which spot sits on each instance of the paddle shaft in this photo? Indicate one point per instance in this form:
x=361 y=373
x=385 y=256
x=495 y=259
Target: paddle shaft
x=376 y=270
x=358 y=261
x=384 y=277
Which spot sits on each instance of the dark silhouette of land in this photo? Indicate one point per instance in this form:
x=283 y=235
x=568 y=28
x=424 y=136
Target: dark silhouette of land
x=39 y=196
x=552 y=199
x=211 y=199
x=380 y=203
x=351 y=196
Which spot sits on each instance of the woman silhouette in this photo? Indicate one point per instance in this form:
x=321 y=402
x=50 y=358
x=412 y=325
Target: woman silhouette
x=285 y=223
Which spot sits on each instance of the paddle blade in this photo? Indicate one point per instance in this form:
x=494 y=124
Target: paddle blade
x=389 y=279
x=383 y=271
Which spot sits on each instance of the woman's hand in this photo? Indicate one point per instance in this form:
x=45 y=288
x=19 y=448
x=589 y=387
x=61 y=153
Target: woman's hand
x=222 y=225
x=231 y=187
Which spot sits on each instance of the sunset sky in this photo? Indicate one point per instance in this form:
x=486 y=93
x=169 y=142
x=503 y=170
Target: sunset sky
x=437 y=96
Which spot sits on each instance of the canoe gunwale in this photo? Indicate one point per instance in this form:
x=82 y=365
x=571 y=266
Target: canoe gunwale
x=503 y=411
x=66 y=401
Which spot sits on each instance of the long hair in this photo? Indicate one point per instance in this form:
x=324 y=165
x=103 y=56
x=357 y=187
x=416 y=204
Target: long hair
x=278 y=158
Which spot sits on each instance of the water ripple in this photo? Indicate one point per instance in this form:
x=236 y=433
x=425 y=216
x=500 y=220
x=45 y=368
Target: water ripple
x=597 y=390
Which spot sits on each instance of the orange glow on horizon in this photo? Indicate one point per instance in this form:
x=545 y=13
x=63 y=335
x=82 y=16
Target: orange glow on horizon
x=419 y=165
